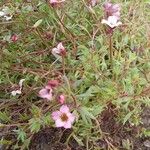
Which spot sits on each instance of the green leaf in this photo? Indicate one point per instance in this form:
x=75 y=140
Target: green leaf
x=47 y=119
x=79 y=141
x=90 y=92
x=36 y=111
x=37 y=23
x=146 y=132
x=86 y=115
x=147 y=1
x=5 y=142
x=96 y=109
x=127 y=117
x=132 y=57
x=26 y=143
x=35 y=124
x=21 y=135
x=4 y=117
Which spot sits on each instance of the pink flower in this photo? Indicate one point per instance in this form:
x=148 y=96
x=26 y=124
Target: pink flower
x=59 y=50
x=63 y=117
x=112 y=9
x=55 y=2
x=61 y=99
x=53 y=83
x=14 y=38
x=46 y=92
x=93 y=2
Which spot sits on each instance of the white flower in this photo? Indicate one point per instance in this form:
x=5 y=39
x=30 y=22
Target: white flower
x=6 y=13
x=59 y=51
x=2 y=13
x=7 y=18
x=18 y=91
x=112 y=21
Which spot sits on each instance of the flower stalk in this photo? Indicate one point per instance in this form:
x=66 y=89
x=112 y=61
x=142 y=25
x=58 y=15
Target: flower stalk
x=111 y=51
x=63 y=64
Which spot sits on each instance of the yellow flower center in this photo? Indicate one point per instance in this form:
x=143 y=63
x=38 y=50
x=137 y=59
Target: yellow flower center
x=64 y=117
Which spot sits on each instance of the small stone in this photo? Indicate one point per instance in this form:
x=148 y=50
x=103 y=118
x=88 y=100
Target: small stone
x=147 y=143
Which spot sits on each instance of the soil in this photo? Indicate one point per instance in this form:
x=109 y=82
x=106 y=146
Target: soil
x=116 y=133
x=53 y=139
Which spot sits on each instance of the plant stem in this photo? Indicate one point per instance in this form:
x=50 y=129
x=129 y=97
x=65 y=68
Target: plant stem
x=40 y=35
x=71 y=35
x=63 y=65
x=110 y=51
x=70 y=91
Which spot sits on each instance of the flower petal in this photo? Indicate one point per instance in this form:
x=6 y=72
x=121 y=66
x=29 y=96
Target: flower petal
x=14 y=93
x=8 y=17
x=60 y=46
x=116 y=7
x=107 y=5
x=55 y=51
x=93 y=2
x=2 y=13
x=61 y=99
x=53 y=1
x=59 y=123
x=104 y=21
x=48 y=87
x=21 y=83
x=56 y=115
x=112 y=21
x=53 y=83
x=119 y=23
x=44 y=93
x=67 y=125
x=71 y=117
x=64 y=109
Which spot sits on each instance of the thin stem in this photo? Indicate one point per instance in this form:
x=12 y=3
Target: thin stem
x=63 y=65
x=110 y=51
x=40 y=35
x=74 y=99
x=71 y=35
x=70 y=91
x=13 y=125
x=59 y=19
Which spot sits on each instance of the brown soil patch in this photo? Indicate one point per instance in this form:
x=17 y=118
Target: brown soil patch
x=116 y=134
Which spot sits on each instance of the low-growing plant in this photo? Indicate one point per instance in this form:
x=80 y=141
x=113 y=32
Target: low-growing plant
x=73 y=64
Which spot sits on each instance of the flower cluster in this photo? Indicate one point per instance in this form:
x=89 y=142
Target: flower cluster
x=63 y=117
x=112 y=15
x=46 y=92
